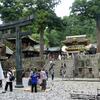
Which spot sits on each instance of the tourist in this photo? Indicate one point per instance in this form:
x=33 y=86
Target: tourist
x=59 y=57
x=65 y=66
x=1 y=75
x=34 y=81
x=64 y=73
x=63 y=70
x=43 y=77
x=9 y=81
x=51 y=71
x=39 y=78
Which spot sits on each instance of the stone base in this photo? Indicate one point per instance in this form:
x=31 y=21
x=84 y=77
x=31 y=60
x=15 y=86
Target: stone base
x=84 y=96
x=19 y=86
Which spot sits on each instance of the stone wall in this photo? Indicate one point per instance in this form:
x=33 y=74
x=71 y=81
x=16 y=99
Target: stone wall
x=86 y=63
x=74 y=65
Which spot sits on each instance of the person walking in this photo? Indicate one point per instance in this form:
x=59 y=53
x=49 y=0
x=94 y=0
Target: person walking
x=1 y=75
x=9 y=81
x=51 y=70
x=52 y=73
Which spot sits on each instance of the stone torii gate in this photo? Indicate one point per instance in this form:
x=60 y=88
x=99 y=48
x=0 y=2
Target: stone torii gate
x=17 y=25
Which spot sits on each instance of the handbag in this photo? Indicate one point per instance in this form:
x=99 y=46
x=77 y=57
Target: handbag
x=12 y=78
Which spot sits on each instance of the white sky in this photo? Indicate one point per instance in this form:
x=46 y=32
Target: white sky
x=63 y=8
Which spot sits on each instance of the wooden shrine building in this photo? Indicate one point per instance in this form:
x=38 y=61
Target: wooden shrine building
x=75 y=44
x=53 y=52
x=27 y=45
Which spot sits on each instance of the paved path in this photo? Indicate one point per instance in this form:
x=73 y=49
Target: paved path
x=56 y=90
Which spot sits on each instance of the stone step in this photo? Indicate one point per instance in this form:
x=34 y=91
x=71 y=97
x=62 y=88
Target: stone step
x=83 y=96
x=69 y=64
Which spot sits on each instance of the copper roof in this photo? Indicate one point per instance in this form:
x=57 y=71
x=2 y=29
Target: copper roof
x=25 y=39
x=79 y=39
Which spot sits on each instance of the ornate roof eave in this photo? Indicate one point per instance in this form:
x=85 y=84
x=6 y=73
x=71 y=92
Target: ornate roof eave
x=69 y=43
x=32 y=41
x=29 y=49
x=75 y=49
x=2 y=58
x=53 y=49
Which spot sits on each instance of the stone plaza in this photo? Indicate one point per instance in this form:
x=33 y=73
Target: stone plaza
x=57 y=89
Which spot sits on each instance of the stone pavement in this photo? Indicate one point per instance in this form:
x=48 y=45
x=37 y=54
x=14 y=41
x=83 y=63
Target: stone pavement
x=56 y=90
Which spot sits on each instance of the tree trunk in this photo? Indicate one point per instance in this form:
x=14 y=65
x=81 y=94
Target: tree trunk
x=98 y=32
x=41 y=47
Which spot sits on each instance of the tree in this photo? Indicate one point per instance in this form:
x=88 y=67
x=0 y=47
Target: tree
x=74 y=25
x=10 y=10
x=46 y=17
x=43 y=11
x=88 y=9
x=53 y=38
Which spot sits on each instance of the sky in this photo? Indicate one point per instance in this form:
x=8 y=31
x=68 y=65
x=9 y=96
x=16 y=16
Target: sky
x=63 y=8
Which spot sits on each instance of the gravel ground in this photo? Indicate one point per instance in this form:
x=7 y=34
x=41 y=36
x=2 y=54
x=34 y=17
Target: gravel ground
x=56 y=90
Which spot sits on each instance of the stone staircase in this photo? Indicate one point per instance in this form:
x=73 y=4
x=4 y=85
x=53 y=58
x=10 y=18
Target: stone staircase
x=57 y=66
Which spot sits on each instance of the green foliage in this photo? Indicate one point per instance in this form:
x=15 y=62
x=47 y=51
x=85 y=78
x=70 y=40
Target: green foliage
x=53 y=38
x=89 y=8
x=10 y=10
x=74 y=25
x=43 y=11
x=36 y=36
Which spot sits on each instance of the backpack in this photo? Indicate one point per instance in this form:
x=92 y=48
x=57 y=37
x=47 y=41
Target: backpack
x=12 y=77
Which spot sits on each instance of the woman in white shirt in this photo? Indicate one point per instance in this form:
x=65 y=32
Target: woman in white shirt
x=8 y=81
x=43 y=77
